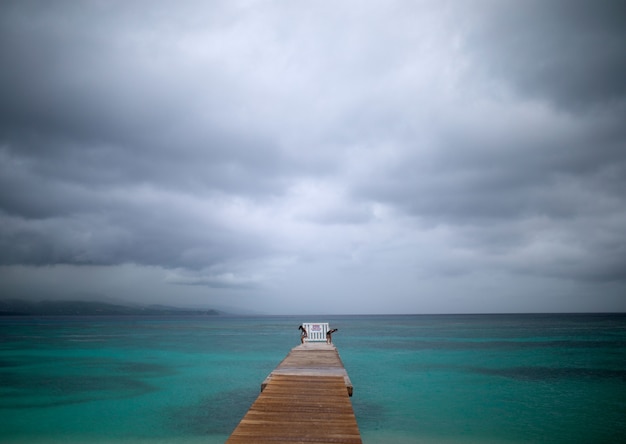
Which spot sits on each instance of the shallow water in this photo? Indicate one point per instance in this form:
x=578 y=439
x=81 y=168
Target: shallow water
x=417 y=379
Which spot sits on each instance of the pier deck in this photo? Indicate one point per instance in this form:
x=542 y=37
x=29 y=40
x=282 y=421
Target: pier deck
x=312 y=359
x=305 y=399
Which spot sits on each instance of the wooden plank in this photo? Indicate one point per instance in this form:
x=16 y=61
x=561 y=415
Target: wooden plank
x=312 y=359
x=300 y=409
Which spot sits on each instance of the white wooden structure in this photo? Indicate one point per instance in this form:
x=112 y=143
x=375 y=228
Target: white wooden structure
x=316 y=331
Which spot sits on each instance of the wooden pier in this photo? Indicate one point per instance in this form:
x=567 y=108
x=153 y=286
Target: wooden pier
x=304 y=400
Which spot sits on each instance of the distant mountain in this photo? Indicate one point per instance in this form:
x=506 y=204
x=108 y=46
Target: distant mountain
x=19 y=307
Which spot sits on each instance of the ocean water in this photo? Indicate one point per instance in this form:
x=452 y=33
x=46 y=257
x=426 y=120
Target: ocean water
x=417 y=379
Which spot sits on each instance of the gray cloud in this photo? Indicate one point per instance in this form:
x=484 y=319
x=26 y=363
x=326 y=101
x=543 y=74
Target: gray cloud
x=265 y=149
x=567 y=52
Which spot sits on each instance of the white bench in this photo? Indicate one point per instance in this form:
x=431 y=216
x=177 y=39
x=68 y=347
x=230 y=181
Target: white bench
x=316 y=331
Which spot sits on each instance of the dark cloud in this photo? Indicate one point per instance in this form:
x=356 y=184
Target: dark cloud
x=570 y=53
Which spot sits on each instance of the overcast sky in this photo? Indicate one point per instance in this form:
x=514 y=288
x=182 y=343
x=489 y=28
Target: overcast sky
x=315 y=157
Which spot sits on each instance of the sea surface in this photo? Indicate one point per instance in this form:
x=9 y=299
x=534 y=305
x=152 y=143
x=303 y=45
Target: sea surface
x=417 y=379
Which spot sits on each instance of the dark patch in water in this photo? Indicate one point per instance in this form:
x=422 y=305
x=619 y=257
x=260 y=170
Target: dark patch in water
x=552 y=373
x=369 y=413
x=5 y=363
x=146 y=369
x=216 y=414
x=26 y=391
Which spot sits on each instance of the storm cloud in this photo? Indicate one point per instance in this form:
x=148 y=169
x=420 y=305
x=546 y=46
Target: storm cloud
x=316 y=157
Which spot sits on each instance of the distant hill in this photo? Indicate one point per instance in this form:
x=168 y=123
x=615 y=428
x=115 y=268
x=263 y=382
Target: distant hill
x=19 y=307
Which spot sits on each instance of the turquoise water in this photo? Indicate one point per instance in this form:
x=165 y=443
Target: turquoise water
x=417 y=379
